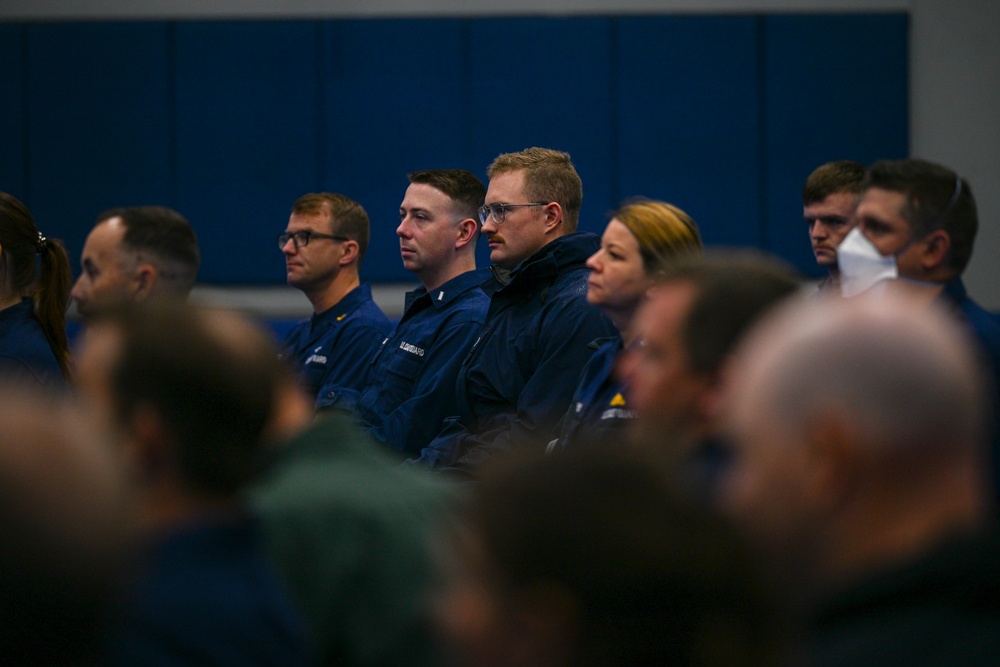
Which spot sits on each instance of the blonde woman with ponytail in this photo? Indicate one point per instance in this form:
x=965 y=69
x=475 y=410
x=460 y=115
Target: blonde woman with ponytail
x=35 y=280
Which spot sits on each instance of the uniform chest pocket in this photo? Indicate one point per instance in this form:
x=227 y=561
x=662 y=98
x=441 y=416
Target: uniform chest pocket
x=403 y=368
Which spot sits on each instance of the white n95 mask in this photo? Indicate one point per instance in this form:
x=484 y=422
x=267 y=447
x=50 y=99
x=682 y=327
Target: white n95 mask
x=862 y=265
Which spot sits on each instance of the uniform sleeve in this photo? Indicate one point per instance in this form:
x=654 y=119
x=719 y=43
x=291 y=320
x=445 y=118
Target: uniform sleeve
x=562 y=350
x=414 y=422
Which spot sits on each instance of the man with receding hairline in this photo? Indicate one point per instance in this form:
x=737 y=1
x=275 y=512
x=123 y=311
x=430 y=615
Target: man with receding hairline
x=519 y=377
x=134 y=252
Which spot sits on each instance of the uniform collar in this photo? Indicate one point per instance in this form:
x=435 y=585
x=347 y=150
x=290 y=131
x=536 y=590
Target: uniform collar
x=441 y=296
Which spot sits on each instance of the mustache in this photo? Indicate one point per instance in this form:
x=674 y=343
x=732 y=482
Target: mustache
x=494 y=237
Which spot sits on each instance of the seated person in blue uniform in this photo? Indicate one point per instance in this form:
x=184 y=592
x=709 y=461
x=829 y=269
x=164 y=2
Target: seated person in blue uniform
x=640 y=241
x=411 y=384
x=858 y=426
x=687 y=328
x=517 y=380
x=919 y=220
x=187 y=395
x=323 y=245
x=135 y=252
x=33 y=300
x=829 y=198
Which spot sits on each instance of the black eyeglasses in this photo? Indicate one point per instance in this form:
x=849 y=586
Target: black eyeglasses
x=498 y=210
x=301 y=238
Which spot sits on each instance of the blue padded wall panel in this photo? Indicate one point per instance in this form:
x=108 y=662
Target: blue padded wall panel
x=98 y=128
x=547 y=82
x=836 y=89
x=230 y=122
x=248 y=142
x=395 y=100
x=12 y=177
x=688 y=108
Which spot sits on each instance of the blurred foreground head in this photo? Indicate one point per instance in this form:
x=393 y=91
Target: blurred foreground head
x=64 y=532
x=859 y=427
x=189 y=391
x=687 y=329
x=588 y=558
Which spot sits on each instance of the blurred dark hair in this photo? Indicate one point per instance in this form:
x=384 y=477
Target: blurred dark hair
x=655 y=580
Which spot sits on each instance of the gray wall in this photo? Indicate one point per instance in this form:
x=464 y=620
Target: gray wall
x=955 y=113
x=954 y=67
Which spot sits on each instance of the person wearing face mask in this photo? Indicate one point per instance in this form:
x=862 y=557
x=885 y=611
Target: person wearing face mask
x=641 y=239
x=916 y=226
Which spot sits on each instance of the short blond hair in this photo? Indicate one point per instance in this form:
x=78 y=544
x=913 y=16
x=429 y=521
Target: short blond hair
x=549 y=176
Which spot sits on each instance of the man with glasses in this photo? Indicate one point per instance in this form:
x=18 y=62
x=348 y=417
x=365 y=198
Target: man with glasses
x=411 y=386
x=519 y=377
x=323 y=245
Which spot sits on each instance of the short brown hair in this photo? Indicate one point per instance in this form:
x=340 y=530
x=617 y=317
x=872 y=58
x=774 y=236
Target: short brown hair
x=651 y=578
x=833 y=178
x=465 y=190
x=733 y=289
x=347 y=217
x=549 y=175
x=936 y=198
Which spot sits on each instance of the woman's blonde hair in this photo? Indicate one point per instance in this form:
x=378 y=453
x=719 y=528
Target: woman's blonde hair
x=664 y=232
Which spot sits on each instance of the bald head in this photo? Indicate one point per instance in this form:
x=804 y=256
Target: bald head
x=859 y=427
x=904 y=375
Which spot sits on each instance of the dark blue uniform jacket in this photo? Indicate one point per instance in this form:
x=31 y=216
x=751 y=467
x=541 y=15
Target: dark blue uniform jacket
x=412 y=382
x=599 y=412
x=206 y=596
x=986 y=330
x=332 y=349
x=517 y=380
x=25 y=354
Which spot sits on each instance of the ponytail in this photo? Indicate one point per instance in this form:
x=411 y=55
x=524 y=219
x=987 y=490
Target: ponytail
x=22 y=242
x=51 y=296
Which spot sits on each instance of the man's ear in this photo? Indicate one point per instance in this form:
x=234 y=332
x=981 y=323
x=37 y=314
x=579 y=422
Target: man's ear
x=936 y=249
x=553 y=216
x=466 y=233
x=349 y=252
x=145 y=278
